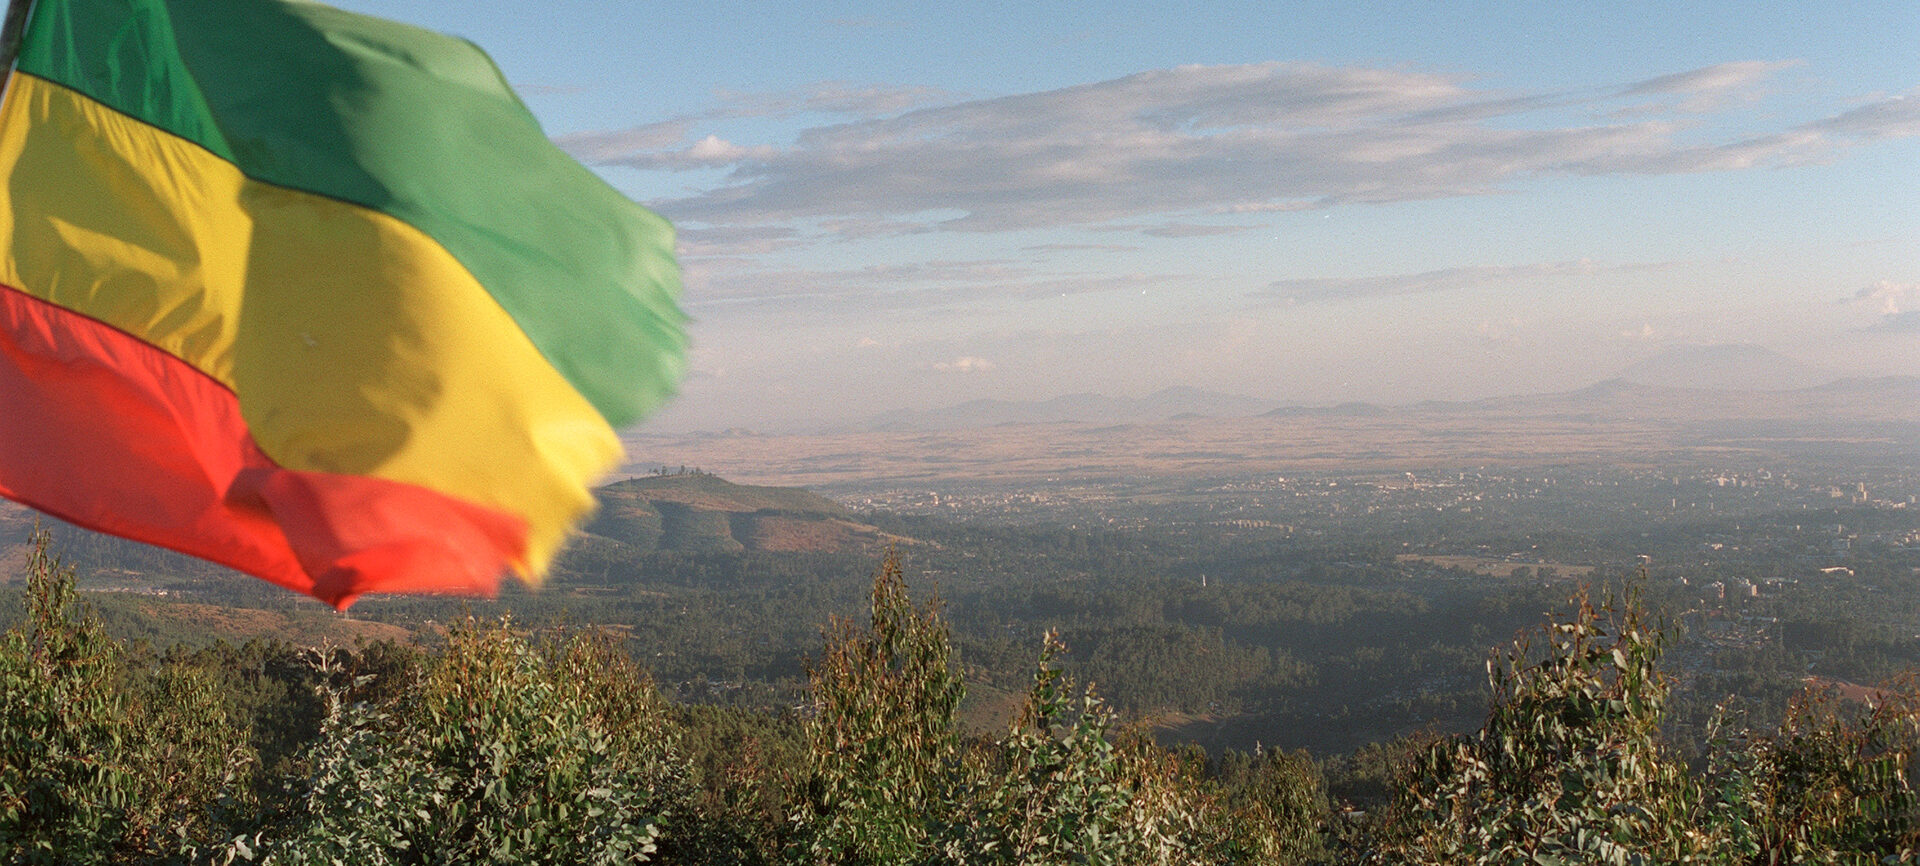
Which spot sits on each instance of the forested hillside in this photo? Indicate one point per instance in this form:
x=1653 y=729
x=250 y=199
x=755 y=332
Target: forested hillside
x=1317 y=612
x=496 y=743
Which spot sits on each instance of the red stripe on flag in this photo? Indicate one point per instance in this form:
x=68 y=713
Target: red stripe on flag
x=105 y=431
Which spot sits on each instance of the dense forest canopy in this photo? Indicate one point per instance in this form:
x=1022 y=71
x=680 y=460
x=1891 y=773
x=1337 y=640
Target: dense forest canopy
x=506 y=744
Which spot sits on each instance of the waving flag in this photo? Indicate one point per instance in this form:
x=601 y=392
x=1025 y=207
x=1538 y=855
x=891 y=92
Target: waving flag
x=311 y=295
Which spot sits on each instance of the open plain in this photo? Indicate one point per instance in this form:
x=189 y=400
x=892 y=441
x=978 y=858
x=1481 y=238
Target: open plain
x=1612 y=423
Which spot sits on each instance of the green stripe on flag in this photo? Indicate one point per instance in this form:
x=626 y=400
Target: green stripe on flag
x=409 y=122
x=124 y=56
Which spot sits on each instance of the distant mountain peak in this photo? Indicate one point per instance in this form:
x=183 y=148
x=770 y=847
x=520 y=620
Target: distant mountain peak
x=1349 y=409
x=1725 y=367
x=1610 y=387
x=1182 y=392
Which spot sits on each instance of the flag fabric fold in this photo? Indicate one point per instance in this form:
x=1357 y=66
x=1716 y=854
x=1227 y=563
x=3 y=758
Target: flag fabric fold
x=311 y=295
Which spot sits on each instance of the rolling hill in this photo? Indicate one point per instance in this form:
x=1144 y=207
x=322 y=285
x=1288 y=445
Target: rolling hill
x=700 y=513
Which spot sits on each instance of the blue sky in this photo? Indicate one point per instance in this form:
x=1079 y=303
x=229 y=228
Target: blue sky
x=895 y=205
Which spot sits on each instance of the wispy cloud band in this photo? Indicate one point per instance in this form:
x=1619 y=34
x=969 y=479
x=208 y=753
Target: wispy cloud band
x=1209 y=140
x=1320 y=290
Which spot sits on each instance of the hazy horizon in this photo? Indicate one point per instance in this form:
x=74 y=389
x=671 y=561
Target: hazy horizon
x=1721 y=367
x=885 y=206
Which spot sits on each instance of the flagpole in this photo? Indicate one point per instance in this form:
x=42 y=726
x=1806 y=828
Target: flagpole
x=10 y=32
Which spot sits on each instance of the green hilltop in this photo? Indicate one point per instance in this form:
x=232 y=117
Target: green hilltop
x=701 y=513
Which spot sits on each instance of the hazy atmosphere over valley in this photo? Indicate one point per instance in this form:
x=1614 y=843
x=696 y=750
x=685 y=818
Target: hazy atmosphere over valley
x=1255 y=433
x=889 y=207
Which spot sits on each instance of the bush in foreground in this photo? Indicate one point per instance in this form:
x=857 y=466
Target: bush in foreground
x=1569 y=768
x=890 y=780
x=502 y=752
x=102 y=761
x=501 y=747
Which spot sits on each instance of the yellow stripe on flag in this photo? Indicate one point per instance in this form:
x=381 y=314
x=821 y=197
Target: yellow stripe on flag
x=355 y=343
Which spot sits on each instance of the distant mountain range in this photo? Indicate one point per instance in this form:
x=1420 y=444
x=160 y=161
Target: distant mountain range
x=1622 y=398
x=1166 y=404
x=701 y=513
x=1884 y=397
x=1715 y=368
x=1615 y=422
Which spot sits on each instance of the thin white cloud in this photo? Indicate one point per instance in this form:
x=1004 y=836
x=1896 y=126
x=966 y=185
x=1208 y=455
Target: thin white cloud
x=1794 y=147
x=1212 y=139
x=1187 y=142
x=663 y=144
x=833 y=97
x=610 y=145
x=1156 y=141
x=1216 y=140
x=1051 y=248
x=1896 y=304
x=1718 y=78
x=857 y=227
x=965 y=364
x=1317 y=290
x=1888 y=297
x=919 y=286
x=1644 y=333
x=1191 y=230
x=1702 y=91
x=749 y=240
x=1888 y=117
x=709 y=152
x=868 y=287
x=1269 y=207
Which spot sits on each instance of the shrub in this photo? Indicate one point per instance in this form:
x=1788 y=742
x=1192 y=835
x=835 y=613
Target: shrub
x=1567 y=769
x=503 y=752
x=890 y=780
x=101 y=762
x=881 y=739
x=1831 y=785
x=1066 y=785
